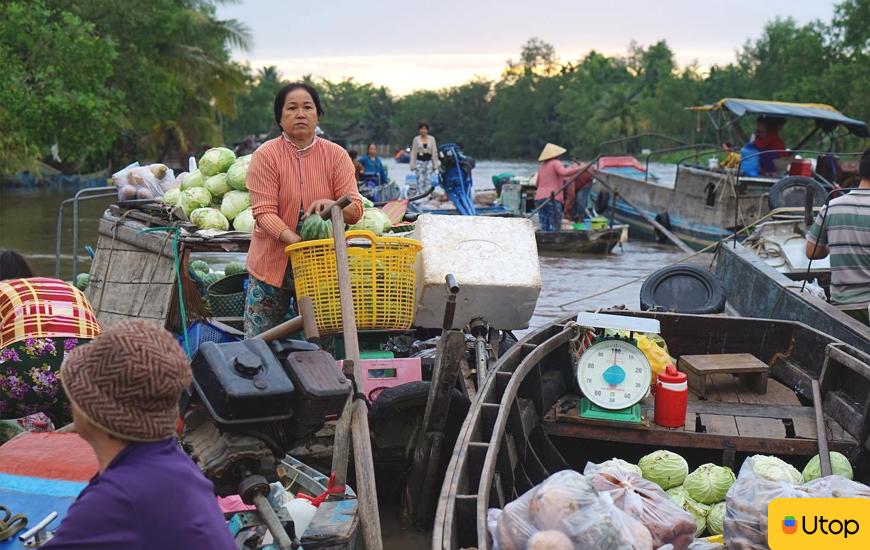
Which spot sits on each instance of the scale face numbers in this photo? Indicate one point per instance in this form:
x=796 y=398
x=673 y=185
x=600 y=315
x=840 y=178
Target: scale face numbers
x=613 y=374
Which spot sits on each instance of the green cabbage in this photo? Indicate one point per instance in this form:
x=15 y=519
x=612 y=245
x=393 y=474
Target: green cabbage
x=171 y=196
x=774 y=469
x=238 y=173
x=209 y=218
x=716 y=518
x=367 y=203
x=193 y=179
x=217 y=185
x=664 y=468
x=373 y=220
x=699 y=511
x=839 y=467
x=244 y=221
x=193 y=198
x=216 y=160
x=618 y=464
x=709 y=483
x=234 y=202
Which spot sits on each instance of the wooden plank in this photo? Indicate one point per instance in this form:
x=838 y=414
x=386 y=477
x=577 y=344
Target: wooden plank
x=722 y=363
x=663 y=438
x=748 y=409
x=719 y=424
x=770 y=428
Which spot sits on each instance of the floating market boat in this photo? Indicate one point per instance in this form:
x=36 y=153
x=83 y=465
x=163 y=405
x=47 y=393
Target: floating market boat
x=587 y=241
x=526 y=424
x=703 y=205
x=754 y=288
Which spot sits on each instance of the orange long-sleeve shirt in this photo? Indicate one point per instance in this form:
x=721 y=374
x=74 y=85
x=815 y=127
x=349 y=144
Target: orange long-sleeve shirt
x=284 y=180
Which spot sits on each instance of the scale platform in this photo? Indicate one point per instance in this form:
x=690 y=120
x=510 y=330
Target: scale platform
x=592 y=411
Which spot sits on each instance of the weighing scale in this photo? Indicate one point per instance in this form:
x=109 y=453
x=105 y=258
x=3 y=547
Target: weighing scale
x=613 y=373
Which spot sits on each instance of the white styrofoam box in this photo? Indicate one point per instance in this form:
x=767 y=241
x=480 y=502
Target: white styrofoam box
x=495 y=262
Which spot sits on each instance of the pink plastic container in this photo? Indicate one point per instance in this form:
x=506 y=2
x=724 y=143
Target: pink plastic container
x=380 y=374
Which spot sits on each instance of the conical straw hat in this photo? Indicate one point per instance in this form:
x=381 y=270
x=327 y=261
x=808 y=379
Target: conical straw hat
x=551 y=151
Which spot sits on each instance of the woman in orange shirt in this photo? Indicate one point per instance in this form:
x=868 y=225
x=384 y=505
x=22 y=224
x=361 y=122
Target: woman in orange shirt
x=291 y=176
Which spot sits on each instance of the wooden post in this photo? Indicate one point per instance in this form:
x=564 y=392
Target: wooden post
x=821 y=431
x=354 y=419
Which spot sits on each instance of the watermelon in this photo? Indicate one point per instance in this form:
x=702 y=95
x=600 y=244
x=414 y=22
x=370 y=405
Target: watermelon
x=233 y=268
x=82 y=280
x=199 y=265
x=314 y=227
x=209 y=279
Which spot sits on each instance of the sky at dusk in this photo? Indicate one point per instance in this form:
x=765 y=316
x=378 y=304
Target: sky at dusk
x=432 y=44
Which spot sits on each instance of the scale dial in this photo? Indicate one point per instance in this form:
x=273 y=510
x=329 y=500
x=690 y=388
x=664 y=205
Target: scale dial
x=613 y=374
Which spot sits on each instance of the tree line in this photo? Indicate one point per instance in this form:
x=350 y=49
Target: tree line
x=105 y=85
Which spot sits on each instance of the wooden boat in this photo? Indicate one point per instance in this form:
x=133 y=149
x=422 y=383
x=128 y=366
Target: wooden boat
x=702 y=205
x=587 y=241
x=42 y=473
x=755 y=289
x=524 y=426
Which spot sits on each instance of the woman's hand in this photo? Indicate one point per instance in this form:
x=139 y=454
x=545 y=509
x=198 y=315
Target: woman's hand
x=288 y=236
x=318 y=206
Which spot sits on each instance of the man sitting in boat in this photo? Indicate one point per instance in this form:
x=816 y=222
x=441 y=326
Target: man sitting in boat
x=550 y=177
x=842 y=229
x=769 y=143
x=125 y=387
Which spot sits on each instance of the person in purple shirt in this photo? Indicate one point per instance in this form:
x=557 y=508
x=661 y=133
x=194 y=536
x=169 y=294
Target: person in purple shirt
x=124 y=387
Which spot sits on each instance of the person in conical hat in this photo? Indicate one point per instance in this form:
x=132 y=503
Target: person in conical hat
x=551 y=176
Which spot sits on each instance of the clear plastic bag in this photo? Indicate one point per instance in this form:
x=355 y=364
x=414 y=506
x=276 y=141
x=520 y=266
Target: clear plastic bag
x=565 y=503
x=745 y=523
x=836 y=487
x=143 y=182
x=648 y=503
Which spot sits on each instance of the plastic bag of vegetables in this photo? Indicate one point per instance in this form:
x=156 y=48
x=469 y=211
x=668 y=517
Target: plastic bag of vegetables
x=612 y=464
x=647 y=502
x=143 y=182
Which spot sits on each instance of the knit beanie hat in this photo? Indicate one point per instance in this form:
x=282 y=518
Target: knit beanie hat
x=128 y=380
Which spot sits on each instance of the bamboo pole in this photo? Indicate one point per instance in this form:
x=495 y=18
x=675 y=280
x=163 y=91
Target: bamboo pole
x=353 y=424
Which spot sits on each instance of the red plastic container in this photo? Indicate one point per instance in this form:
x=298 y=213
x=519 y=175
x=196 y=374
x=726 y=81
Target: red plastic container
x=672 y=395
x=800 y=167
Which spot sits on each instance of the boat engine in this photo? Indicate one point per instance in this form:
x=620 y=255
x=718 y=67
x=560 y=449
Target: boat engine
x=249 y=404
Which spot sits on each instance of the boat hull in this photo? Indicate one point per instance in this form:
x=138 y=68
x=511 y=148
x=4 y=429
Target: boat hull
x=703 y=207
x=755 y=289
x=588 y=241
x=512 y=438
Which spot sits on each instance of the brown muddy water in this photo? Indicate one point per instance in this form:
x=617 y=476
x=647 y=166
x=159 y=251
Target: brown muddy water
x=28 y=218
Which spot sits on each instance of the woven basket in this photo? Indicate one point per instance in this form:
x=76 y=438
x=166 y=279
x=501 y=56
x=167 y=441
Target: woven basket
x=226 y=298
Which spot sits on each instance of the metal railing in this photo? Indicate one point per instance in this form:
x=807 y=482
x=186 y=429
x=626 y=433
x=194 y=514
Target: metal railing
x=83 y=194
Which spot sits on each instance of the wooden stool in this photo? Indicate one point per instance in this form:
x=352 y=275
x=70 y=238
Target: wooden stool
x=751 y=371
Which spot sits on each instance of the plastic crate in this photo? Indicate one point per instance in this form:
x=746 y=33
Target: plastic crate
x=203 y=331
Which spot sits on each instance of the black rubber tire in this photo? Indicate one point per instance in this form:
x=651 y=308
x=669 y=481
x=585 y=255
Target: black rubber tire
x=790 y=192
x=602 y=201
x=665 y=220
x=404 y=398
x=682 y=289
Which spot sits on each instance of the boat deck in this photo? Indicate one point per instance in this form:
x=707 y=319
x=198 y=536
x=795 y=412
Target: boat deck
x=732 y=418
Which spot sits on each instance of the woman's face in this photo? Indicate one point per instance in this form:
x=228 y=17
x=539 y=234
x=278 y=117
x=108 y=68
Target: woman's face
x=424 y=131
x=299 y=117
x=373 y=151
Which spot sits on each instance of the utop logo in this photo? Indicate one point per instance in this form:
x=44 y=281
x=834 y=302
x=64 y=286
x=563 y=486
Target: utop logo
x=818 y=523
x=789 y=525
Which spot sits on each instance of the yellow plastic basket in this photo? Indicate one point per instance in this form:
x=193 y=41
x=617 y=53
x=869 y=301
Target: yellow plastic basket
x=381 y=276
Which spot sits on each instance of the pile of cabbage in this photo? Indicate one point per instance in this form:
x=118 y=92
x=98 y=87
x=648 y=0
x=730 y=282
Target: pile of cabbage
x=702 y=491
x=215 y=196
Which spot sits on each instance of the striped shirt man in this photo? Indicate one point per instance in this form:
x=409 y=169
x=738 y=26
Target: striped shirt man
x=283 y=180
x=846 y=236
x=39 y=307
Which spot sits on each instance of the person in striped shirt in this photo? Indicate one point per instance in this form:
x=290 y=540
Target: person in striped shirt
x=842 y=229
x=294 y=174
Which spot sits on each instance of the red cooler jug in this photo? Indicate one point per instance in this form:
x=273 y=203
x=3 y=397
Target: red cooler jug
x=672 y=395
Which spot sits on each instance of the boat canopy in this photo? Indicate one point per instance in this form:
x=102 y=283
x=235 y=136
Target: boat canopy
x=825 y=116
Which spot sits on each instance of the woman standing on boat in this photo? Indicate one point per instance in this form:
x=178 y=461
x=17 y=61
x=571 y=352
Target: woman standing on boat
x=293 y=174
x=424 y=159
x=41 y=321
x=551 y=175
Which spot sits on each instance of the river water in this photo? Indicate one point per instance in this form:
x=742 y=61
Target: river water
x=28 y=219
